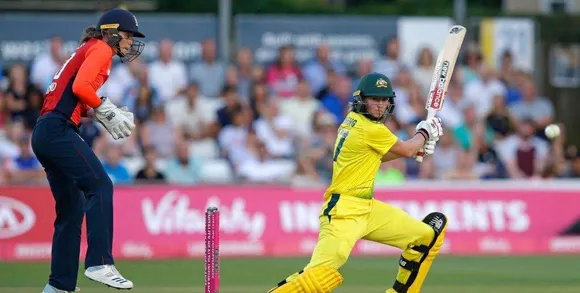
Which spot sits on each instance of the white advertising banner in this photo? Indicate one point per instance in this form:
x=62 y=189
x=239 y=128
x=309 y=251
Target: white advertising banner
x=514 y=34
x=415 y=33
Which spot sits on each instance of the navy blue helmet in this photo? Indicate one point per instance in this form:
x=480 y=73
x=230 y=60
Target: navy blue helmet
x=120 y=20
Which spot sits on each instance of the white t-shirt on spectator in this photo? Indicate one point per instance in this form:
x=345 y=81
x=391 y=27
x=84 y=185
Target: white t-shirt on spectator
x=168 y=78
x=263 y=172
x=481 y=94
x=43 y=70
x=8 y=149
x=387 y=67
x=181 y=114
x=119 y=80
x=232 y=139
x=403 y=109
x=276 y=146
x=301 y=112
x=451 y=115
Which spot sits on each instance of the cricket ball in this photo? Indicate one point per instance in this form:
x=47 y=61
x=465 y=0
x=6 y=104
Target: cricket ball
x=552 y=131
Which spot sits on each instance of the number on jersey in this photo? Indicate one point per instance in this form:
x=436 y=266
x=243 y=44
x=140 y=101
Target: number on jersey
x=343 y=133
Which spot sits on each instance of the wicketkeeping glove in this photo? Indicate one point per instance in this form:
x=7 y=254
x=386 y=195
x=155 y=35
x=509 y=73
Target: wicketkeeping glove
x=118 y=122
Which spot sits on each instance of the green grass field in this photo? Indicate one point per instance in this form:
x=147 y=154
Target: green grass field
x=450 y=274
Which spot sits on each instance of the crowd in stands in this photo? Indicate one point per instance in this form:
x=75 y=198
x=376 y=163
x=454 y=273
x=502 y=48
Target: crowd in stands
x=211 y=122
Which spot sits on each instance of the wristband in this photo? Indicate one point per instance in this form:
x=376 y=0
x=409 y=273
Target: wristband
x=424 y=133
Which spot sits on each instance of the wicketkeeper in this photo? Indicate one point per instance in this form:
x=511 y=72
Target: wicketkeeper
x=77 y=179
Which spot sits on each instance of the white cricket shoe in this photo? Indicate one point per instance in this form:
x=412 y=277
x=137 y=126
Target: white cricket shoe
x=108 y=275
x=49 y=289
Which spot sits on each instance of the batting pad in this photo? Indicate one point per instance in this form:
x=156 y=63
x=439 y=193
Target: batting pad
x=320 y=279
x=416 y=262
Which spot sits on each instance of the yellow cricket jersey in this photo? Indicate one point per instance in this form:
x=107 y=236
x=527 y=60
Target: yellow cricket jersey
x=358 y=150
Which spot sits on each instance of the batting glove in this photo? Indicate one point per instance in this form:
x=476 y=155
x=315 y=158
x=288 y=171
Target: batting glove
x=431 y=129
x=429 y=147
x=118 y=122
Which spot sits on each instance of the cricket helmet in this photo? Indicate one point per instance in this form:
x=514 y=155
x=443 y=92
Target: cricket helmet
x=374 y=85
x=120 y=20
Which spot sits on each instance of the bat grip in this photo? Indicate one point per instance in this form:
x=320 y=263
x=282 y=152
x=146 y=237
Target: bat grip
x=421 y=153
x=419 y=157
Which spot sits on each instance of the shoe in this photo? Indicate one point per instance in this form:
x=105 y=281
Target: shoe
x=108 y=275
x=49 y=289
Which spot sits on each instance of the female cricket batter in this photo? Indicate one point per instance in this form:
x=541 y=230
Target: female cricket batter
x=350 y=213
x=77 y=179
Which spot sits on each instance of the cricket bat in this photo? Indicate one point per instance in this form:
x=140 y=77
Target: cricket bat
x=442 y=74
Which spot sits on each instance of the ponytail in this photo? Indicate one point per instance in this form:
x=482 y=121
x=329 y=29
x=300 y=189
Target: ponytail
x=91 y=32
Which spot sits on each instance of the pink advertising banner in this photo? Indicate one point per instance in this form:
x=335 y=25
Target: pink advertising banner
x=168 y=221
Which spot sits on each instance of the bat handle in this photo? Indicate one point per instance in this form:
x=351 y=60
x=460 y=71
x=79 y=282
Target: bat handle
x=419 y=157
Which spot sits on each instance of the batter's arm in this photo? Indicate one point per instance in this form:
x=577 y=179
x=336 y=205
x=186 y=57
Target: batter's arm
x=406 y=149
x=389 y=157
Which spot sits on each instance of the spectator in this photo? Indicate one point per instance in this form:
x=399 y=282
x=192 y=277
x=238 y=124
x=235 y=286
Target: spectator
x=413 y=108
x=34 y=99
x=447 y=155
x=472 y=62
x=233 y=137
x=193 y=115
x=232 y=79
x=149 y=173
x=261 y=168
x=116 y=170
x=45 y=66
x=390 y=63
x=166 y=74
x=451 y=114
x=245 y=67
x=337 y=101
x=301 y=109
x=363 y=67
x=315 y=71
x=524 y=155
x=9 y=147
x=499 y=119
x=209 y=73
x=4 y=118
x=25 y=168
x=232 y=101
x=404 y=87
x=18 y=88
x=275 y=130
x=481 y=91
x=282 y=77
x=122 y=74
x=316 y=154
x=533 y=106
x=258 y=97
x=574 y=170
x=141 y=97
x=423 y=72
x=159 y=133
x=464 y=169
x=331 y=78
x=488 y=164
x=183 y=168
